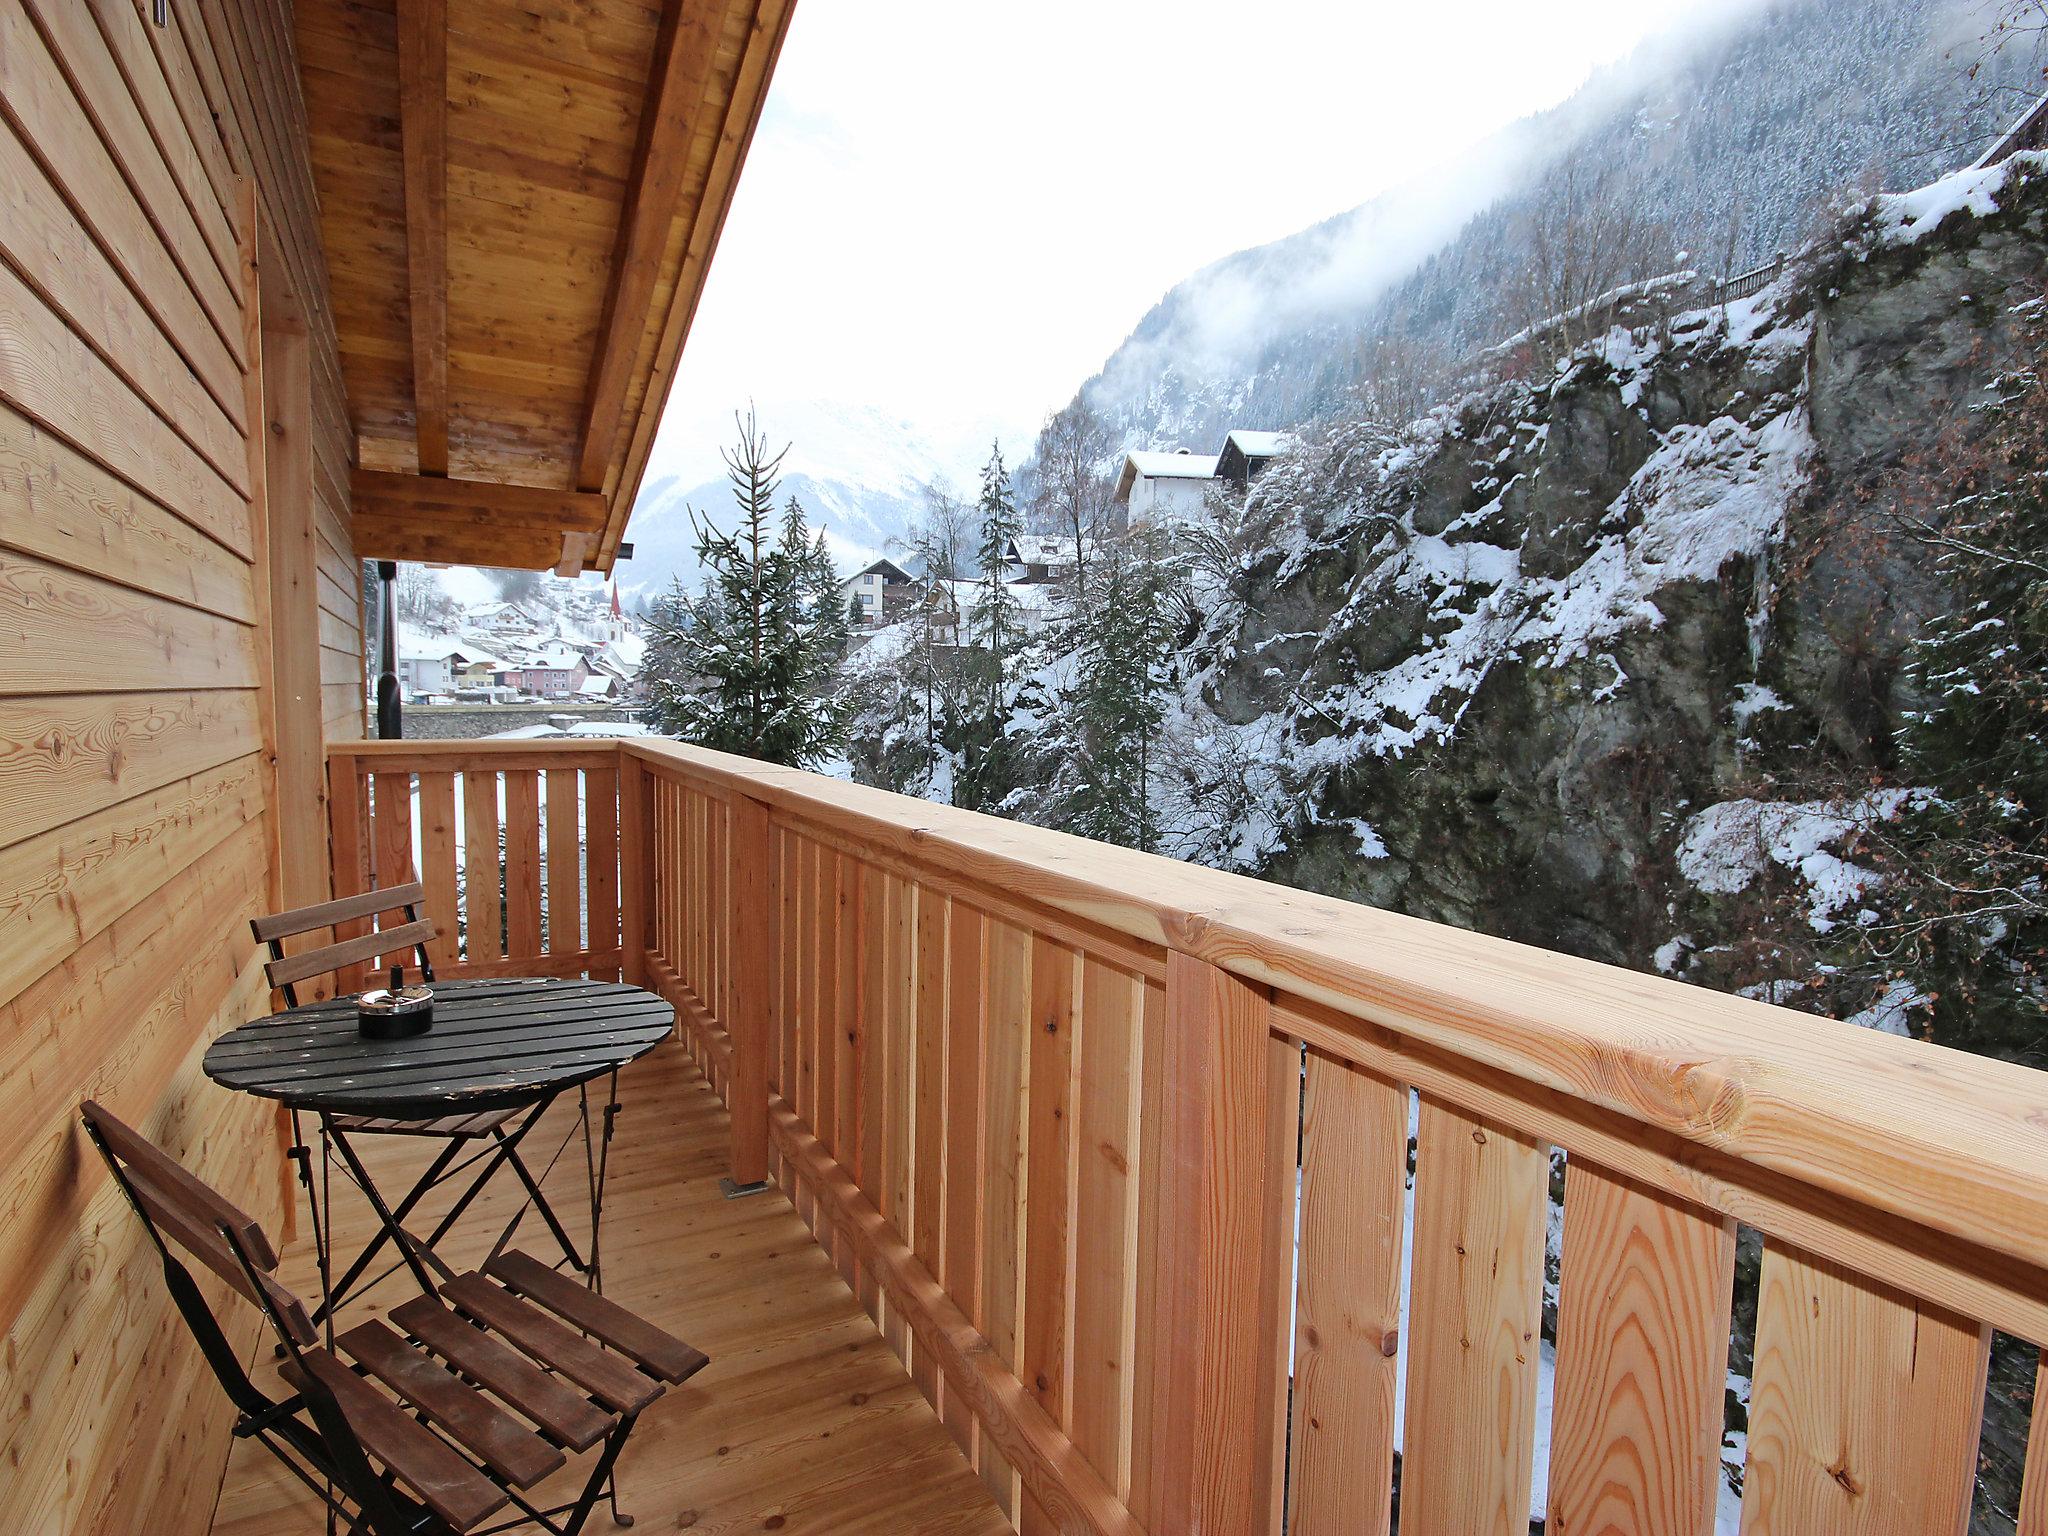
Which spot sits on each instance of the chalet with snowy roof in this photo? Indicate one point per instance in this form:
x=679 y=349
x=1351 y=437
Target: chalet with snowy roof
x=1042 y=557
x=1246 y=453
x=1163 y=487
x=551 y=674
x=878 y=589
x=436 y=665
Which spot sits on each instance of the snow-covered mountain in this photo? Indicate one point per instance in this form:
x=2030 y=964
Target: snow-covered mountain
x=1726 y=143
x=859 y=471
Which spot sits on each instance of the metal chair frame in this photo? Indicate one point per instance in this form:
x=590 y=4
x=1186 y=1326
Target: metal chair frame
x=503 y=1150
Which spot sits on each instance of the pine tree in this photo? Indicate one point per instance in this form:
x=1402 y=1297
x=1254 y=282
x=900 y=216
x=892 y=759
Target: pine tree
x=995 y=631
x=1116 y=704
x=745 y=665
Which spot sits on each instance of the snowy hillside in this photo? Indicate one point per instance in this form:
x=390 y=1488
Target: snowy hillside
x=1722 y=142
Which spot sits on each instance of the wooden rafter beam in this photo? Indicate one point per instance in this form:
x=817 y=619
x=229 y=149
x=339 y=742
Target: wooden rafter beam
x=683 y=53
x=483 y=504
x=742 y=115
x=423 y=130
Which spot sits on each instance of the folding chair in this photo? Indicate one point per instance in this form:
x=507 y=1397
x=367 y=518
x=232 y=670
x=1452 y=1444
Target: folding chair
x=490 y=1138
x=435 y=1452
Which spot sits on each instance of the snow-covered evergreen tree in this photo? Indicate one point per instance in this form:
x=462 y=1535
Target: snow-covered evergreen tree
x=746 y=664
x=1115 y=703
x=995 y=631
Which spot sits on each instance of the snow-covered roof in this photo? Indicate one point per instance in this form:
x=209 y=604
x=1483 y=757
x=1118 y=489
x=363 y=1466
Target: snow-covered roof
x=1044 y=548
x=888 y=570
x=1173 y=466
x=559 y=661
x=596 y=687
x=432 y=649
x=1260 y=445
x=1163 y=466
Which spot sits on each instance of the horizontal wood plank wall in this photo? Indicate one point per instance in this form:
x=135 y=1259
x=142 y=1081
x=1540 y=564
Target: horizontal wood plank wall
x=146 y=172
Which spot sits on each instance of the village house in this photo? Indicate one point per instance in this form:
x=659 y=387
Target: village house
x=550 y=674
x=880 y=589
x=1245 y=453
x=1163 y=487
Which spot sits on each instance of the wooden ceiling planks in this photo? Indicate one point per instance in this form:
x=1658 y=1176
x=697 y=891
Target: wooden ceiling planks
x=587 y=157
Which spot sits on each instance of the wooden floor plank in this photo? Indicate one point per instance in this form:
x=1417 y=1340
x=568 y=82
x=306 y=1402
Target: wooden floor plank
x=803 y=1422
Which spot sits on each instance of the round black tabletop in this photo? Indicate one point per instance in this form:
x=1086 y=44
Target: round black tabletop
x=493 y=1045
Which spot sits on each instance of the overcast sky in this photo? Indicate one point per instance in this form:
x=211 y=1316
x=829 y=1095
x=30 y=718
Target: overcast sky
x=953 y=211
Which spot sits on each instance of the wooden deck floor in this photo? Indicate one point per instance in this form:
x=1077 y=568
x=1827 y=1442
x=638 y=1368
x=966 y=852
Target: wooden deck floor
x=803 y=1422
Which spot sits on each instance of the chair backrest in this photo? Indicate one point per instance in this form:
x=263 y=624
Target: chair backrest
x=286 y=971
x=181 y=1209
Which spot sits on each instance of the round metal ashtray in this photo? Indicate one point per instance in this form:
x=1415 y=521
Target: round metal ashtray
x=386 y=1014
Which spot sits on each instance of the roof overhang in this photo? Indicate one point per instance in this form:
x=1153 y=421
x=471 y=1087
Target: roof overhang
x=519 y=206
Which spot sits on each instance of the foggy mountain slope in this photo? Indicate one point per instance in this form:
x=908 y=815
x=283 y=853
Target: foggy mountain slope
x=1730 y=137
x=859 y=472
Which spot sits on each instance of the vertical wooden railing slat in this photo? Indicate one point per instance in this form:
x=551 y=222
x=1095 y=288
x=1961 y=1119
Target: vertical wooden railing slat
x=1645 y=1295
x=1213 y=1414
x=1008 y=1014
x=1475 y=1313
x=348 y=846
x=392 y=813
x=636 y=869
x=1048 y=1143
x=601 y=863
x=1105 y=1237
x=1864 y=1407
x=805 y=1099
x=824 y=951
x=483 y=902
x=522 y=864
x=960 y=1265
x=2033 y=1519
x=927 y=1214
x=565 y=863
x=750 y=1022
x=1354 y=1176
x=437 y=860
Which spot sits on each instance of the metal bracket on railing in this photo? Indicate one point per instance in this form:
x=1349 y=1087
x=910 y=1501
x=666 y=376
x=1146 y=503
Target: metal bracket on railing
x=733 y=1191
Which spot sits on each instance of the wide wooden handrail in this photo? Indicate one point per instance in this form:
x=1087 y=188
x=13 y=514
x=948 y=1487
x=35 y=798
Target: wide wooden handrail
x=1951 y=1141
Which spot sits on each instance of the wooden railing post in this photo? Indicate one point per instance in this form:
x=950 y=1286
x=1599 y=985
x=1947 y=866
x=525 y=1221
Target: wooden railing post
x=1216 y=1386
x=751 y=914
x=636 y=868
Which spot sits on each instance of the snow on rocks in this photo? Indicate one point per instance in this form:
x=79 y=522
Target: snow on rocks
x=1726 y=847
x=1902 y=218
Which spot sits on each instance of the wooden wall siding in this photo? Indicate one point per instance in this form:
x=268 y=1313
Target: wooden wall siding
x=160 y=235
x=1047 y=1107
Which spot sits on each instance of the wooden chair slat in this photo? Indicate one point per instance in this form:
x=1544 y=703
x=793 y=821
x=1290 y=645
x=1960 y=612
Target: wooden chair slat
x=564 y=1414
x=205 y=1243
x=332 y=957
x=325 y=914
x=178 y=1188
x=656 y=1350
x=604 y=1376
x=491 y=1434
x=445 y=1483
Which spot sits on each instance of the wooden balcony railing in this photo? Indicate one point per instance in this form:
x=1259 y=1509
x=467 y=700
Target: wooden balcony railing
x=1117 y=1152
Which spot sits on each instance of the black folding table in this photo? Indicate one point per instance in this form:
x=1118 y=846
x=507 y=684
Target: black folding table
x=494 y=1045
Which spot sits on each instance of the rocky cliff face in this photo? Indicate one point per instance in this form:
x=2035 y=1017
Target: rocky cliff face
x=1511 y=667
